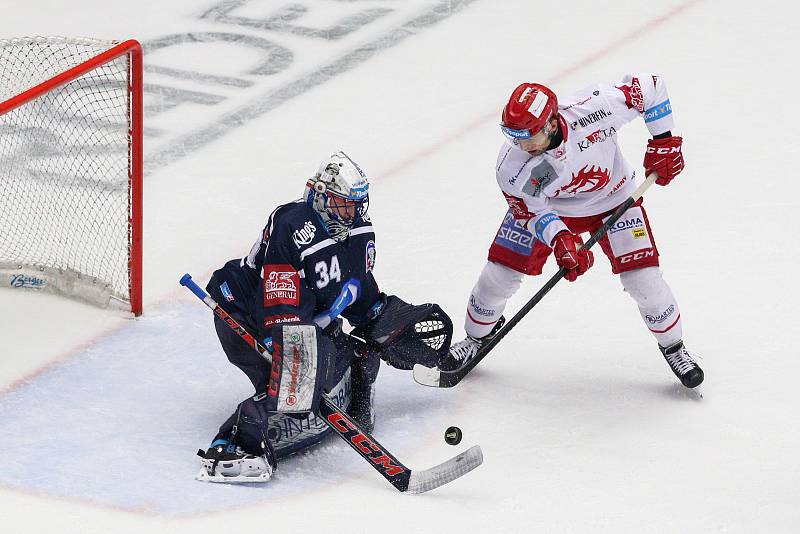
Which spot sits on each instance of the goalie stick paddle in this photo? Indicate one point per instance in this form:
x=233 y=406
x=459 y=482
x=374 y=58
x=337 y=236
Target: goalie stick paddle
x=406 y=480
x=434 y=377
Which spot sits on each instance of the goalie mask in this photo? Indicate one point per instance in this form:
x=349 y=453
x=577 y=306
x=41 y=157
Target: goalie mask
x=339 y=193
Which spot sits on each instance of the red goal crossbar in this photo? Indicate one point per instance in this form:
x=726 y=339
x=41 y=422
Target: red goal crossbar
x=133 y=49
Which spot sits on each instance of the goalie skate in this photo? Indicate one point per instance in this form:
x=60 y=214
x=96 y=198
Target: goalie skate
x=221 y=464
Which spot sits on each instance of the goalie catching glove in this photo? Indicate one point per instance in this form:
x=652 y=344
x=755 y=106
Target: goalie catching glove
x=406 y=334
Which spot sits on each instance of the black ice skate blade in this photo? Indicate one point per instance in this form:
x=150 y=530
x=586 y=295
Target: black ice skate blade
x=679 y=391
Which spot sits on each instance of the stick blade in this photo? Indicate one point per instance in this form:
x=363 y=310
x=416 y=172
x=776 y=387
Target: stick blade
x=436 y=378
x=456 y=467
x=426 y=376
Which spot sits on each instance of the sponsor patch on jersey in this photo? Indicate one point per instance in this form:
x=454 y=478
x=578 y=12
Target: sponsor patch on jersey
x=630 y=238
x=370 y=255
x=619 y=185
x=304 y=235
x=514 y=236
x=280 y=319
x=597 y=136
x=634 y=223
x=580 y=102
x=541 y=176
x=226 y=292
x=658 y=111
x=543 y=222
x=591 y=118
x=281 y=285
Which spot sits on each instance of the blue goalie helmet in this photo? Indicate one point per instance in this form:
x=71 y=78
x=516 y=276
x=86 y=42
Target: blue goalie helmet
x=339 y=193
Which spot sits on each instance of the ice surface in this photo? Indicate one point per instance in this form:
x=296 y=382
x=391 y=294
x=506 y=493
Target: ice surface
x=582 y=426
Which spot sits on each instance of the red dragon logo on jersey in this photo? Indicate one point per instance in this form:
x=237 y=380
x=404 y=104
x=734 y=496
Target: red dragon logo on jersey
x=594 y=178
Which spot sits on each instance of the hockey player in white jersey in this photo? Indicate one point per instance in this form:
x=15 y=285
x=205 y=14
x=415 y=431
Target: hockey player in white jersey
x=562 y=172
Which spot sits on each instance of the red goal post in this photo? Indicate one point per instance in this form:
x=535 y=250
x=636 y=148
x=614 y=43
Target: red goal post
x=71 y=168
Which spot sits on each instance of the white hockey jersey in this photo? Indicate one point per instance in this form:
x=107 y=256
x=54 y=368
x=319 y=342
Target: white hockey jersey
x=587 y=174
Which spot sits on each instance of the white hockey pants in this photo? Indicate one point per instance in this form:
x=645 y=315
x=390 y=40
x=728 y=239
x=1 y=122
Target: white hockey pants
x=497 y=283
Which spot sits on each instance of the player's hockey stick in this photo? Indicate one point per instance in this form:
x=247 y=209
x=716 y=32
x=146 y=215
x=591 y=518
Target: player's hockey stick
x=435 y=377
x=398 y=475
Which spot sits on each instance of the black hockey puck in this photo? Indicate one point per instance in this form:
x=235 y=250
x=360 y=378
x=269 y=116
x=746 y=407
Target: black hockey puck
x=452 y=435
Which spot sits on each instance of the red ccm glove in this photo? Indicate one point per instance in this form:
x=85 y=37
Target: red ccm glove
x=664 y=157
x=565 y=249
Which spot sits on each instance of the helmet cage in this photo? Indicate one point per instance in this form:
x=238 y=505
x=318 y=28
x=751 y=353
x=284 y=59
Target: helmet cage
x=343 y=208
x=339 y=193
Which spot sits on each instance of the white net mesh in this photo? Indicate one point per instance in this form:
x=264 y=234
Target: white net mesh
x=64 y=171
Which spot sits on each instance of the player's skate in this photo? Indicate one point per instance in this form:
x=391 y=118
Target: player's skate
x=463 y=351
x=224 y=462
x=682 y=364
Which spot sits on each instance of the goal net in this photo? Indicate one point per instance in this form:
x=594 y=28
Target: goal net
x=71 y=168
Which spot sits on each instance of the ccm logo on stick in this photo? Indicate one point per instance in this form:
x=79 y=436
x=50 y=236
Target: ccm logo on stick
x=364 y=444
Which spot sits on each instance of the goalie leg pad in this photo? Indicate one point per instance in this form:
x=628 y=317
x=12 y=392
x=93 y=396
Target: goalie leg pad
x=301 y=362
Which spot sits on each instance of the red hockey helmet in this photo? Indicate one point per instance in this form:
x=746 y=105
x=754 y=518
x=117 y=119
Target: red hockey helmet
x=528 y=111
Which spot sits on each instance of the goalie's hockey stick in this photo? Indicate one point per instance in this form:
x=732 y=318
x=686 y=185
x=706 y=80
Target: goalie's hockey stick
x=398 y=475
x=435 y=377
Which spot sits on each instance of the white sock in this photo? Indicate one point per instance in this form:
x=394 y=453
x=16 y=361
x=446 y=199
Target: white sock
x=657 y=304
x=494 y=287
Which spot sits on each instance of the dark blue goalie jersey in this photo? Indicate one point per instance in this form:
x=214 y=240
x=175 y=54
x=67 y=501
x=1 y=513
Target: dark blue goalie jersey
x=295 y=270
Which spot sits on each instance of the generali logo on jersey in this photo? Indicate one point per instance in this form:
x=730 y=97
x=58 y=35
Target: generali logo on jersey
x=281 y=285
